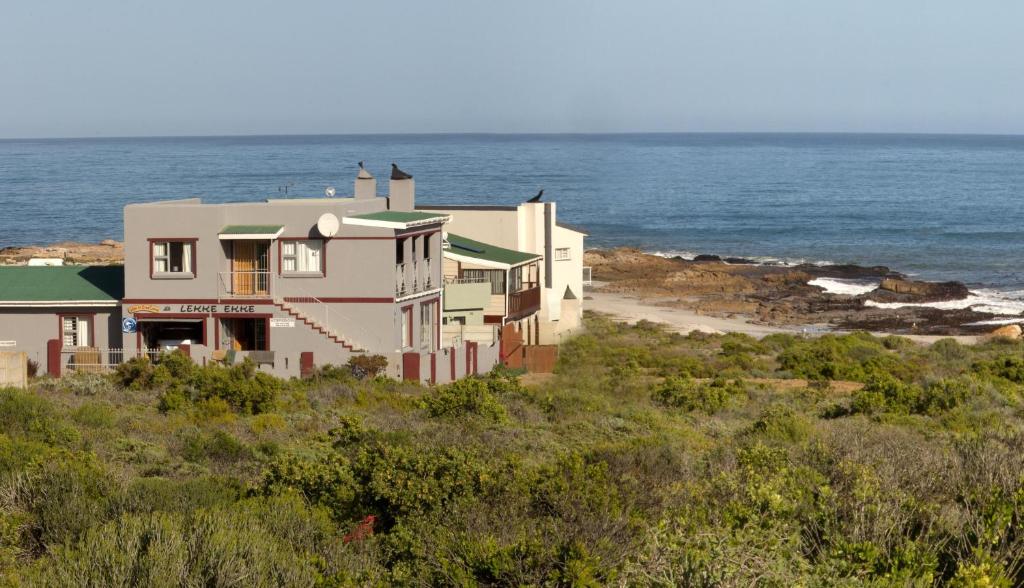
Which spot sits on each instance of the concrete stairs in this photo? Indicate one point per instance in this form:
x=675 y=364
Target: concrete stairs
x=316 y=326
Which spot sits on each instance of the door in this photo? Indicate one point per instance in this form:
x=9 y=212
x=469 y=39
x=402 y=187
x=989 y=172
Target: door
x=249 y=268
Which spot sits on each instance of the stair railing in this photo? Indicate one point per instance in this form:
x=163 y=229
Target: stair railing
x=353 y=334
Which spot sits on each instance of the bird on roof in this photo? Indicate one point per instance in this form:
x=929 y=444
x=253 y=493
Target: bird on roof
x=397 y=174
x=537 y=197
x=363 y=173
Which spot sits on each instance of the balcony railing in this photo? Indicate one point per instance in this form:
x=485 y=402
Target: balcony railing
x=524 y=302
x=254 y=284
x=414 y=277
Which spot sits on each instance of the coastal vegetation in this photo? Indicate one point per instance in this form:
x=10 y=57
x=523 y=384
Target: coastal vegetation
x=648 y=458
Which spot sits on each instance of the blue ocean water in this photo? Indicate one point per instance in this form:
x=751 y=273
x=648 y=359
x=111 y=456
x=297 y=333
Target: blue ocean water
x=936 y=206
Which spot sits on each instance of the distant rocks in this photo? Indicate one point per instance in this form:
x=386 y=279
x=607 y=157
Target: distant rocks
x=1007 y=332
x=707 y=258
x=107 y=252
x=903 y=290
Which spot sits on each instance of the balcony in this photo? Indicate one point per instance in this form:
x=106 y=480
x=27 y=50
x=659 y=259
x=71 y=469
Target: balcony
x=414 y=277
x=524 y=303
x=251 y=284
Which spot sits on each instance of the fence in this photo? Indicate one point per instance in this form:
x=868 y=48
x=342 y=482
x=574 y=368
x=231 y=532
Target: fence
x=94 y=359
x=13 y=369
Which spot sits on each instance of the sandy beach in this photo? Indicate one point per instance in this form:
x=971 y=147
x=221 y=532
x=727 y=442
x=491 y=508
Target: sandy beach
x=631 y=309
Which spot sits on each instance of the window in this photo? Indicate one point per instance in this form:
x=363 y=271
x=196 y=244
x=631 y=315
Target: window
x=75 y=331
x=426 y=246
x=399 y=251
x=562 y=254
x=427 y=312
x=495 y=277
x=173 y=257
x=302 y=257
x=407 y=327
x=515 y=278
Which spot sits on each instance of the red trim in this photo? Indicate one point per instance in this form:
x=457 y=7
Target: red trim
x=453 y=362
x=306 y=364
x=216 y=333
x=236 y=301
x=255 y=315
x=476 y=363
x=53 y=349
x=433 y=368
x=300 y=299
x=354 y=299
x=92 y=324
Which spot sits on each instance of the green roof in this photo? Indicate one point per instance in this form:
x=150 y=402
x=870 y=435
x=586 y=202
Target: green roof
x=465 y=247
x=69 y=283
x=251 y=229
x=395 y=216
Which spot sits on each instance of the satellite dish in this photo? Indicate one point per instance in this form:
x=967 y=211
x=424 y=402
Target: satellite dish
x=329 y=192
x=327 y=224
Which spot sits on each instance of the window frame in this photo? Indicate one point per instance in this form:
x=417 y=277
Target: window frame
x=89 y=318
x=281 y=257
x=406 y=326
x=568 y=254
x=192 y=242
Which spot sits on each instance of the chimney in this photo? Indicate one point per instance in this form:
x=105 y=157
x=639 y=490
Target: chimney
x=366 y=184
x=402 y=191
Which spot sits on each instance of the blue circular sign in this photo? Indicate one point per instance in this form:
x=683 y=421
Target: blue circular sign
x=129 y=325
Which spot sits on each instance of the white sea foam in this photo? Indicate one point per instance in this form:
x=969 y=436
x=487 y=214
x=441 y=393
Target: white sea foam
x=673 y=253
x=849 y=287
x=992 y=301
x=759 y=260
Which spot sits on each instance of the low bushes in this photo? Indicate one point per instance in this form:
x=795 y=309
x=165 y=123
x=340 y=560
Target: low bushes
x=689 y=395
x=180 y=382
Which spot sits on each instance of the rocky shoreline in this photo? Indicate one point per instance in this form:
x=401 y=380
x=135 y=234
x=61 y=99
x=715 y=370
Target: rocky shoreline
x=108 y=252
x=772 y=295
x=782 y=296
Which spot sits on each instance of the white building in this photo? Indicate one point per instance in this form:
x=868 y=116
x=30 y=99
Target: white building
x=532 y=227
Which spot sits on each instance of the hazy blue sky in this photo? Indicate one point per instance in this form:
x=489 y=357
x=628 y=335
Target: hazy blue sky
x=114 y=68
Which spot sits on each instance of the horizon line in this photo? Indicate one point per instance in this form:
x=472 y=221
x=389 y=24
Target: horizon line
x=516 y=133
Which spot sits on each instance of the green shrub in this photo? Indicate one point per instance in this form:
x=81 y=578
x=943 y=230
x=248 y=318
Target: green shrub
x=220 y=446
x=28 y=415
x=690 y=395
x=367 y=366
x=469 y=396
x=262 y=542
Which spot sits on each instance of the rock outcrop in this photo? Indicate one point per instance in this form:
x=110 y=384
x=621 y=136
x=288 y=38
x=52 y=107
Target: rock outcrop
x=1007 y=332
x=903 y=290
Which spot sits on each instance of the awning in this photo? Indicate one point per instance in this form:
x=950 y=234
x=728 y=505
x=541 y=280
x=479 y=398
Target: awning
x=238 y=232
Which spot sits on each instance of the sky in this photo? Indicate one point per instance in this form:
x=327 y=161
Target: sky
x=241 y=67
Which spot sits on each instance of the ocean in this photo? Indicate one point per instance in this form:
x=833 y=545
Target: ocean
x=937 y=207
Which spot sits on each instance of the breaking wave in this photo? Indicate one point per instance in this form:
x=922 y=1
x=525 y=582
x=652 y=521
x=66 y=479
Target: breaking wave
x=991 y=301
x=849 y=287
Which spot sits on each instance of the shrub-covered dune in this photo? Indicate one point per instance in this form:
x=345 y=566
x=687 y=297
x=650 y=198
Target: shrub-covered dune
x=648 y=459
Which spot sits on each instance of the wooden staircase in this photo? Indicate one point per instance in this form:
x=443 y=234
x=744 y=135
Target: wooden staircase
x=316 y=326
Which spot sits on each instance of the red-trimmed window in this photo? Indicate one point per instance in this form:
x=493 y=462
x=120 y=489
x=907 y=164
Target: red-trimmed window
x=302 y=257
x=172 y=258
x=407 y=327
x=76 y=330
x=428 y=318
